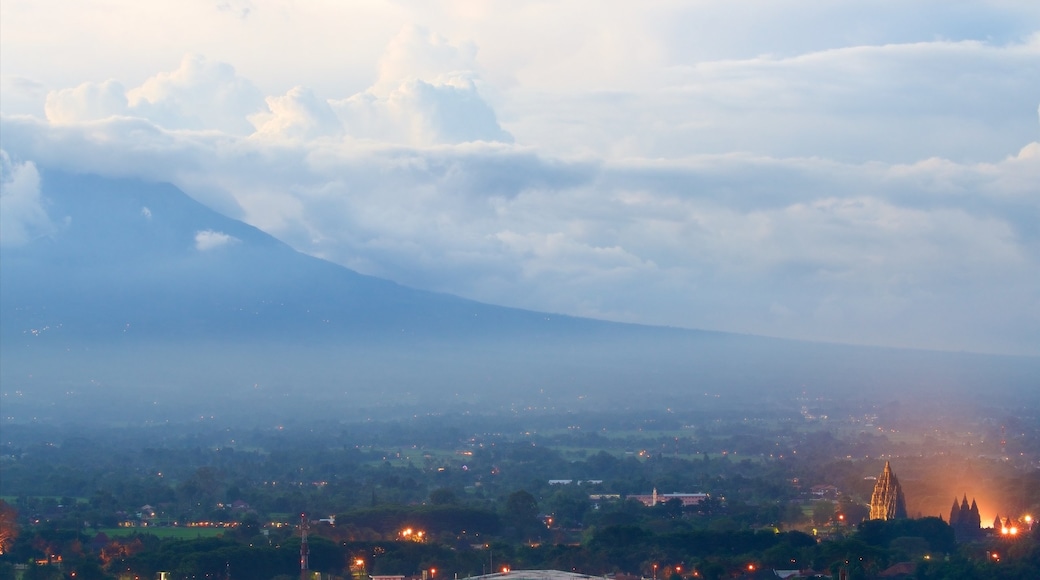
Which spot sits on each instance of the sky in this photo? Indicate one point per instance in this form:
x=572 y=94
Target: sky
x=864 y=172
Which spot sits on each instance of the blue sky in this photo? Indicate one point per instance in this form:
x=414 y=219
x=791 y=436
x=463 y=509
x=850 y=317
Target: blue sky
x=864 y=172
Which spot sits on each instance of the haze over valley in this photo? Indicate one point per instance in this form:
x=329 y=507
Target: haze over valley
x=519 y=290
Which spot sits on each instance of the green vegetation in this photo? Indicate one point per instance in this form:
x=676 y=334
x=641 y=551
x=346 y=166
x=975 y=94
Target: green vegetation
x=408 y=496
x=177 y=533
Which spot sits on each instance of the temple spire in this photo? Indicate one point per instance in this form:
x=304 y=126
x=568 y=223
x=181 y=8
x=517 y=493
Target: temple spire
x=887 y=501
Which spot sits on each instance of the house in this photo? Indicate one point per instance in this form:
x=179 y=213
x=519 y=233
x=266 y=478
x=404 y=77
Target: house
x=654 y=498
x=825 y=491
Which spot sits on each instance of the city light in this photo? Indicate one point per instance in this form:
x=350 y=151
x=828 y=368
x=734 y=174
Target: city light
x=413 y=535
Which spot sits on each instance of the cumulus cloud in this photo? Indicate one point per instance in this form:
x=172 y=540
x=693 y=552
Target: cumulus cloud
x=880 y=190
x=934 y=253
x=417 y=53
x=298 y=114
x=206 y=240
x=200 y=94
x=427 y=93
x=87 y=102
x=22 y=214
x=419 y=99
x=419 y=113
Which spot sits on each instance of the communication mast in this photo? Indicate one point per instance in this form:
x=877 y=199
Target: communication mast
x=304 y=550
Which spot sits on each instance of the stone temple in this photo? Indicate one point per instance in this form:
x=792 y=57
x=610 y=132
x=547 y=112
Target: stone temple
x=887 y=502
x=965 y=521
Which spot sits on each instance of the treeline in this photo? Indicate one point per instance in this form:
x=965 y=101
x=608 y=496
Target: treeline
x=673 y=553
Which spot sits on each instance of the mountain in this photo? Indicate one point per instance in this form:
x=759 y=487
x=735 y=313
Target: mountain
x=143 y=303
x=142 y=259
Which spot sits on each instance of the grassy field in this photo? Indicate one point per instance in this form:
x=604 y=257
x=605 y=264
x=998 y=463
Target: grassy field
x=11 y=499
x=179 y=533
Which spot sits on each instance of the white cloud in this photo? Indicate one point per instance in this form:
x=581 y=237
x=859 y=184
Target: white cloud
x=934 y=253
x=416 y=53
x=862 y=172
x=87 y=102
x=22 y=215
x=206 y=240
x=421 y=113
x=427 y=93
x=200 y=94
x=965 y=100
x=298 y=114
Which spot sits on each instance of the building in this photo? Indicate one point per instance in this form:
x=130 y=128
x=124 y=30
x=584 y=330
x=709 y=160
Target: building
x=887 y=501
x=654 y=498
x=825 y=491
x=965 y=520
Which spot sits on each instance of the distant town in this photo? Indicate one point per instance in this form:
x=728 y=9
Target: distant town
x=822 y=490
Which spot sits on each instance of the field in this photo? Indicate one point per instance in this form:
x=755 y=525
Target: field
x=180 y=533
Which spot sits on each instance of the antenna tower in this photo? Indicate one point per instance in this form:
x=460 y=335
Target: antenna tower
x=304 y=550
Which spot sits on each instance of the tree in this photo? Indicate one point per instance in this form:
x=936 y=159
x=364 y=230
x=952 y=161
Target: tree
x=822 y=512
x=522 y=512
x=442 y=496
x=521 y=507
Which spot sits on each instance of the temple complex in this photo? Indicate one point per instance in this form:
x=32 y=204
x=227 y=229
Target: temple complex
x=887 y=502
x=965 y=521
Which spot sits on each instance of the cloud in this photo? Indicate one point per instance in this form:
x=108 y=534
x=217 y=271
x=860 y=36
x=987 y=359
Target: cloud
x=422 y=113
x=299 y=114
x=22 y=214
x=965 y=100
x=427 y=93
x=933 y=253
x=239 y=8
x=207 y=240
x=870 y=183
x=200 y=94
x=444 y=106
x=87 y=102
x=416 y=53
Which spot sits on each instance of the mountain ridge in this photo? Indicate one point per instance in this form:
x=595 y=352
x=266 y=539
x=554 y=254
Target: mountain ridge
x=132 y=249
x=145 y=299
